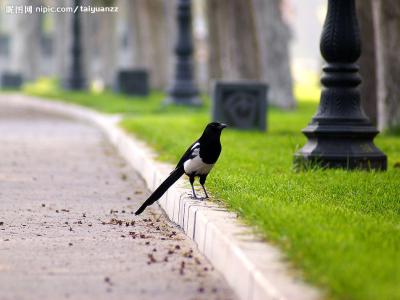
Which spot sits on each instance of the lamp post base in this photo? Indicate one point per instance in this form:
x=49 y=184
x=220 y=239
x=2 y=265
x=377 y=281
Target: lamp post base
x=345 y=147
x=75 y=84
x=193 y=101
x=183 y=94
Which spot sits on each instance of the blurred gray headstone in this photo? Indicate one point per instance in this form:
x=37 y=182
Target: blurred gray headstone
x=240 y=104
x=11 y=80
x=133 y=82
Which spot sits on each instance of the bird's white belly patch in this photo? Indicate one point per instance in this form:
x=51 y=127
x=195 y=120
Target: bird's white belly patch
x=197 y=166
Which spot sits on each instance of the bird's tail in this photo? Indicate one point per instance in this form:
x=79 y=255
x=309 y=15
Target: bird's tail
x=172 y=178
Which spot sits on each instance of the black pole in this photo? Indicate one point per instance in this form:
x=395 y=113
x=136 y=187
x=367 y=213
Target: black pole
x=340 y=135
x=183 y=89
x=76 y=79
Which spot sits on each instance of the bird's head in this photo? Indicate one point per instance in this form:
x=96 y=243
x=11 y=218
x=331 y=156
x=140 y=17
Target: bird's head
x=216 y=126
x=214 y=129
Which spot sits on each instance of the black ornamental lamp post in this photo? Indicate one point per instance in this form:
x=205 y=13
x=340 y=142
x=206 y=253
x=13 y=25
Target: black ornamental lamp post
x=76 y=79
x=183 y=89
x=340 y=135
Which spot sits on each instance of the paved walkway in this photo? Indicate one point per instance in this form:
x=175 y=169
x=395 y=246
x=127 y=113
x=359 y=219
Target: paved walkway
x=66 y=225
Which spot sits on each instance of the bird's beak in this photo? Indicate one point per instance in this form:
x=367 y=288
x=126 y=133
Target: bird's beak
x=222 y=125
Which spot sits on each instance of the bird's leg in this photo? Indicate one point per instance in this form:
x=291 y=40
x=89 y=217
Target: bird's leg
x=194 y=194
x=202 y=182
x=191 y=179
x=205 y=192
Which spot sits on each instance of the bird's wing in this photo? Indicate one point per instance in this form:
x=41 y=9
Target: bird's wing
x=191 y=152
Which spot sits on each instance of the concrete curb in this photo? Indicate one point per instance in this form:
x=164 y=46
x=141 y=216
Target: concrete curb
x=254 y=269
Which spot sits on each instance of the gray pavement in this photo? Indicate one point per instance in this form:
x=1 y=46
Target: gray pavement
x=67 y=229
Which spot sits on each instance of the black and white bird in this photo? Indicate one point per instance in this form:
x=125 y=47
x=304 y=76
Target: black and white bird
x=197 y=161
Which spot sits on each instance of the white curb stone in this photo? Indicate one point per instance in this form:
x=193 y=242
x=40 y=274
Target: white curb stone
x=253 y=268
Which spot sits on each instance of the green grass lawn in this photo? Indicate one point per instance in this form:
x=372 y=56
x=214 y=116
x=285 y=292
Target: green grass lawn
x=341 y=229
x=106 y=101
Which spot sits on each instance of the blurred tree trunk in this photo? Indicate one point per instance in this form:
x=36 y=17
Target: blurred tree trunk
x=48 y=55
x=150 y=39
x=274 y=37
x=214 y=8
x=124 y=29
x=26 y=42
x=133 y=42
x=256 y=47
x=367 y=60
x=62 y=40
x=107 y=43
x=89 y=47
x=171 y=27
x=387 y=31
x=233 y=45
x=99 y=44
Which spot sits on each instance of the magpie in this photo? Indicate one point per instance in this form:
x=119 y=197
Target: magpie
x=197 y=161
